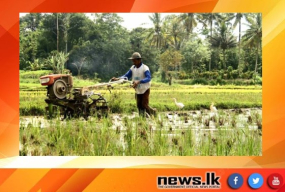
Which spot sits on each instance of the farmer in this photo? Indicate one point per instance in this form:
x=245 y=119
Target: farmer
x=141 y=78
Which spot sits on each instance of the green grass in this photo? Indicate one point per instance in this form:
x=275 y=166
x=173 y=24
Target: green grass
x=138 y=138
x=121 y=100
x=32 y=95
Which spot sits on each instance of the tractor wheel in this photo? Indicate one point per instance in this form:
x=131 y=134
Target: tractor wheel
x=99 y=111
x=68 y=113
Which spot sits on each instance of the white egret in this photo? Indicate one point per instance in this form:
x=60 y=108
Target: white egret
x=179 y=105
x=213 y=108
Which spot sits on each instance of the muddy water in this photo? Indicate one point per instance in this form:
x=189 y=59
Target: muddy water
x=195 y=120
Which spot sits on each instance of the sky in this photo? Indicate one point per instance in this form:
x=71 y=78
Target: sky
x=133 y=20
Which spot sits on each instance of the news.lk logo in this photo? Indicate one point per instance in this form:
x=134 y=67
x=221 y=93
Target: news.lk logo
x=235 y=181
x=189 y=182
x=275 y=180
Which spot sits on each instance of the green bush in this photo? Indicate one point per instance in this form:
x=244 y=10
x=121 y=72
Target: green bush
x=257 y=79
x=205 y=74
x=209 y=75
x=214 y=75
x=33 y=74
x=212 y=82
x=182 y=75
x=220 y=81
x=201 y=81
x=235 y=74
x=230 y=69
x=247 y=75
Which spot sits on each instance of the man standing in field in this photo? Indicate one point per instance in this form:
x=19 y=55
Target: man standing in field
x=141 y=78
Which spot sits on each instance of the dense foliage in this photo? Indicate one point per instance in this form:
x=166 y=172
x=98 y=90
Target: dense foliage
x=188 y=45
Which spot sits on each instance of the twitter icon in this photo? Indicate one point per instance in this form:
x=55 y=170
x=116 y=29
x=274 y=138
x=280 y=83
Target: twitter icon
x=255 y=180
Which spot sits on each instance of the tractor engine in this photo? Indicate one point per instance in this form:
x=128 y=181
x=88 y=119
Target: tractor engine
x=58 y=85
x=77 y=104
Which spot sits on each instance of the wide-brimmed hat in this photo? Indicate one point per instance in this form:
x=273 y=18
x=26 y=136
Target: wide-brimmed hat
x=136 y=55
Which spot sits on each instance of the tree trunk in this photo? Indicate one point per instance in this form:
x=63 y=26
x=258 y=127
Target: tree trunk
x=211 y=50
x=79 y=72
x=239 y=43
x=210 y=60
x=57 y=31
x=256 y=58
x=224 y=59
x=188 y=25
x=157 y=41
x=66 y=24
x=66 y=43
x=211 y=23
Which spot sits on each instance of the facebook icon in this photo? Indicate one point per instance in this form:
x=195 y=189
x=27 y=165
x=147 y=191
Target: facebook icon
x=235 y=181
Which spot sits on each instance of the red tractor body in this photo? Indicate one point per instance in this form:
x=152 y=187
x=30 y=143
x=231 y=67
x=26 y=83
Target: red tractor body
x=49 y=79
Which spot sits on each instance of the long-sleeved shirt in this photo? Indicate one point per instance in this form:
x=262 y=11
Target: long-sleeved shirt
x=146 y=73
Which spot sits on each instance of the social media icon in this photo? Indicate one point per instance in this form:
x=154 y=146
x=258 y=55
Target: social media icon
x=275 y=180
x=235 y=180
x=255 y=180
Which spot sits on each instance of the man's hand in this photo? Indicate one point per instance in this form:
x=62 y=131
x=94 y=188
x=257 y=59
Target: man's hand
x=135 y=84
x=115 y=79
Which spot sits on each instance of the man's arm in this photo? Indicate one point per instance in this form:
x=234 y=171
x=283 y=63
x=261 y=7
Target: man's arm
x=147 y=77
x=128 y=75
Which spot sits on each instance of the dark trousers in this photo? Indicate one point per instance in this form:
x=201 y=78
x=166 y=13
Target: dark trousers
x=142 y=103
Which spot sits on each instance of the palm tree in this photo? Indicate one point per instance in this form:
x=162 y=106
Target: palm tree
x=155 y=34
x=253 y=35
x=189 y=22
x=173 y=31
x=223 y=39
x=238 y=17
x=208 y=19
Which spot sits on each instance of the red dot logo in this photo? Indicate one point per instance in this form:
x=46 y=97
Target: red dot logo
x=275 y=180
